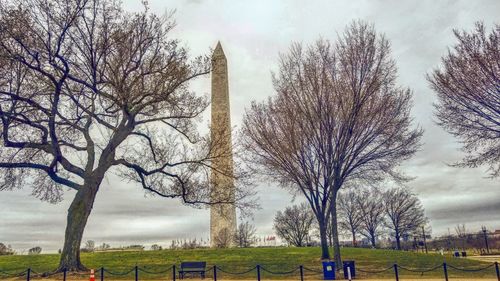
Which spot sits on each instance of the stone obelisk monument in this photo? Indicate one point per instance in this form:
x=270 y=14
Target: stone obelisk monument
x=222 y=216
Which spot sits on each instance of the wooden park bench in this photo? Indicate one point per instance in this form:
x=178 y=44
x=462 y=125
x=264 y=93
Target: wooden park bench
x=192 y=267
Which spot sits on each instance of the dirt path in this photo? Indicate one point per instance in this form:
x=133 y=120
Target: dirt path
x=209 y=279
x=495 y=258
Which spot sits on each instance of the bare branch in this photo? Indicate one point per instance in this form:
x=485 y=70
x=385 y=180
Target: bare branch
x=468 y=90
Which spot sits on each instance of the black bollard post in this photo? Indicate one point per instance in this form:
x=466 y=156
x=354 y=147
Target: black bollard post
x=445 y=269
x=28 y=273
x=173 y=272
x=396 y=272
x=102 y=274
x=136 y=273
x=301 y=273
x=258 y=272
x=498 y=271
x=64 y=274
x=215 y=273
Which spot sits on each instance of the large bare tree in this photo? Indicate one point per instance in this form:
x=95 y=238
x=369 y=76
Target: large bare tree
x=86 y=88
x=294 y=224
x=349 y=212
x=468 y=90
x=405 y=214
x=338 y=116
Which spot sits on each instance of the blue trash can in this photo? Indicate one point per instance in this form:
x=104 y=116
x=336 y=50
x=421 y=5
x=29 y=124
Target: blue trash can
x=349 y=265
x=328 y=270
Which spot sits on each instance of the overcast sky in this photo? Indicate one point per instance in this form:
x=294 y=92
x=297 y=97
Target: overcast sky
x=253 y=33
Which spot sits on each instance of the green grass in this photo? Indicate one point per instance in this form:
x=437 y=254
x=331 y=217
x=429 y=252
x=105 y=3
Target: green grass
x=273 y=259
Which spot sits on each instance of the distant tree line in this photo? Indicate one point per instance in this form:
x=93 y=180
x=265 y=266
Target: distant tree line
x=185 y=244
x=90 y=246
x=460 y=238
x=369 y=213
x=243 y=238
x=7 y=250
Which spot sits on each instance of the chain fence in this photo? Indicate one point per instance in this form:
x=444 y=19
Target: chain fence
x=259 y=272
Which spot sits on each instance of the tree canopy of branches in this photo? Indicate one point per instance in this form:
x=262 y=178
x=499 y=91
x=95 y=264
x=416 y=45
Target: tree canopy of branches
x=35 y=250
x=462 y=234
x=338 y=116
x=349 y=212
x=224 y=238
x=404 y=212
x=104 y=246
x=90 y=245
x=156 y=247
x=468 y=90
x=86 y=87
x=294 y=224
x=371 y=206
x=245 y=235
x=5 y=249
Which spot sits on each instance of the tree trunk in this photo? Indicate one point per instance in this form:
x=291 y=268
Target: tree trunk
x=298 y=242
x=335 y=233
x=372 y=238
x=325 y=254
x=330 y=239
x=398 y=241
x=353 y=238
x=78 y=213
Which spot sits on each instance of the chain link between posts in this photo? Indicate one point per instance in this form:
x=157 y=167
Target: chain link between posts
x=29 y=271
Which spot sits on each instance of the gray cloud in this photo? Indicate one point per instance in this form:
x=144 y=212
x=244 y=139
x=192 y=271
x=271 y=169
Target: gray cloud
x=253 y=33
x=487 y=209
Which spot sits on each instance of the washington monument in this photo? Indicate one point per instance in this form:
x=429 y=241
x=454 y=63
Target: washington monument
x=222 y=216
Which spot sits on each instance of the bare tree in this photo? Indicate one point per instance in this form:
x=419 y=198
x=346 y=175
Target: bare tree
x=468 y=90
x=223 y=239
x=338 y=116
x=5 y=249
x=425 y=233
x=86 y=87
x=245 y=235
x=461 y=232
x=104 y=246
x=294 y=224
x=35 y=250
x=90 y=245
x=349 y=213
x=404 y=212
x=371 y=205
x=156 y=247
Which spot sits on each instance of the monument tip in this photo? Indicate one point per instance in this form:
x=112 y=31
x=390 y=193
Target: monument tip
x=218 y=50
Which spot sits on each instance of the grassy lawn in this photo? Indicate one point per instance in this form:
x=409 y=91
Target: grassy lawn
x=238 y=260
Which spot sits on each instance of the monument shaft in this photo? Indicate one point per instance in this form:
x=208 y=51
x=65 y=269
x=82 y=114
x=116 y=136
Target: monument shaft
x=222 y=216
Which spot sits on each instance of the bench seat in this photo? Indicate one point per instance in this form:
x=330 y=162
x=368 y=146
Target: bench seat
x=192 y=267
